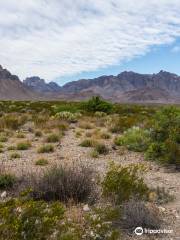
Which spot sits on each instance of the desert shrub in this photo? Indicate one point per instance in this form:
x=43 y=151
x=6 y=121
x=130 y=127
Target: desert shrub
x=105 y=135
x=88 y=143
x=86 y=125
x=94 y=154
x=101 y=148
x=38 y=133
x=63 y=126
x=41 y=162
x=68 y=116
x=6 y=180
x=165 y=140
x=122 y=183
x=3 y=138
x=23 y=218
x=15 y=155
x=160 y=195
x=40 y=120
x=119 y=124
x=96 y=104
x=47 y=148
x=28 y=219
x=11 y=148
x=65 y=184
x=135 y=139
x=52 y=138
x=20 y=135
x=23 y=145
x=13 y=121
x=100 y=114
x=138 y=214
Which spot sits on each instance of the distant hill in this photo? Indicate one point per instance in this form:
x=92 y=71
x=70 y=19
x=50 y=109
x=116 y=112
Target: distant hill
x=11 y=88
x=129 y=87
x=39 y=85
x=163 y=87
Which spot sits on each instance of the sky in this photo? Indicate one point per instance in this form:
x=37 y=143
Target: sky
x=65 y=40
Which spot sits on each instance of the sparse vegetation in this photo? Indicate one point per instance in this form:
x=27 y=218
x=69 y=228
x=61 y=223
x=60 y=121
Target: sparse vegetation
x=48 y=148
x=97 y=203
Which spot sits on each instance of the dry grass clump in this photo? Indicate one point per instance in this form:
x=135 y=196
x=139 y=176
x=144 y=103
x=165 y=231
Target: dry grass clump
x=15 y=155
x=38 y=133
x=88 y=143
x=52 y=138
x=86 y=125
x=47 y=148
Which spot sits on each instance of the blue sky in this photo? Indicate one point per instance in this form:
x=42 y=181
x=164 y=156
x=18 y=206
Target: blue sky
x=67 y=40
x=165 y=57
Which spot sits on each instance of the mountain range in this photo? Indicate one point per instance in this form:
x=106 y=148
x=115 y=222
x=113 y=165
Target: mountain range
x=163 y=87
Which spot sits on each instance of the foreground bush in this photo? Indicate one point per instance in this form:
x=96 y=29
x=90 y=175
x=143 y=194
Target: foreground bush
x=122 y=183
x=22 y=218
x=135 y=139
x=165 y=140
x=65 y=184
x=138 y=214
x=6 y=180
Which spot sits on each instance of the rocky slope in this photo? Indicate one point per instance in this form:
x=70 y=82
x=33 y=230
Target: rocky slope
x=163 y=87
x=39 y=85
x=11 y=88
x=129 y=87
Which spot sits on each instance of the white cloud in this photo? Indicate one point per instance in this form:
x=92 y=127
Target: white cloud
x=62 y=37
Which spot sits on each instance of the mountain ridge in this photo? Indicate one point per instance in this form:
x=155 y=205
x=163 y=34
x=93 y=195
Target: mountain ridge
x=128 y=86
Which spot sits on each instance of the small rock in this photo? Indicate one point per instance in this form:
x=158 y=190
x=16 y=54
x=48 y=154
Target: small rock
x=162 y=209
x=86 y=208
x=4 y=194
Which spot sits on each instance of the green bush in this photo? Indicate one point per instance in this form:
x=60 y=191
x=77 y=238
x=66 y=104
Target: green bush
x=122 y=183
x=165 y=140
x=23 y=145
x=28 y=219
x=135 y=139
x=96 y=104
x=6 y=180
x=48 y=148
x=41 y=162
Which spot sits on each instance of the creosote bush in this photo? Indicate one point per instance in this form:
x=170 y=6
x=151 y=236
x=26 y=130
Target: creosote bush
x=122 y=183
x=65 y=183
